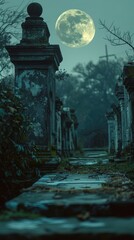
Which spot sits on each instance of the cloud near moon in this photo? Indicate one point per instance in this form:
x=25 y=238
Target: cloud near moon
x=75 y=28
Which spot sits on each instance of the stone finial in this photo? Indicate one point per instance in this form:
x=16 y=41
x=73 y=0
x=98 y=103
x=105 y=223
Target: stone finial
x=34 y=30
x=34 y=10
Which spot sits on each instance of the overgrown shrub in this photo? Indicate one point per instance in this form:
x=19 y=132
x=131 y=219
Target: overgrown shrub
x=15 y=152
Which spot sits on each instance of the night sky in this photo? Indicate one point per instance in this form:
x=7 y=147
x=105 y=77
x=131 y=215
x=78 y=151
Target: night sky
x=118 y=11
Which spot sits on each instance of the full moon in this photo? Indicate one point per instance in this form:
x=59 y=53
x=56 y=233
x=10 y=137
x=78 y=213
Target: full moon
x=75 y=28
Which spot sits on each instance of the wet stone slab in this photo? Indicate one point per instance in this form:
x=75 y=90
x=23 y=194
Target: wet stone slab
x=68 y=194
x=44 y=201
x=71 y=206
x=45 y=193
x=87 y=161
x=90 y=158
x=96 y=154
x=75 y=181
x=64 y=227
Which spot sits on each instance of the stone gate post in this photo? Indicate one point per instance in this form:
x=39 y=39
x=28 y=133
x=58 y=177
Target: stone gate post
x=119 y=91
x=111 y=132
x=118 y=128
x=128 y=74
x=35 y=63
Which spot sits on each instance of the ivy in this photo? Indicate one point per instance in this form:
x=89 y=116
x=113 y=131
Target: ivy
x=16 y=154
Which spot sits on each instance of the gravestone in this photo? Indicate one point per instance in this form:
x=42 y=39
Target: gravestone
x=36 y=61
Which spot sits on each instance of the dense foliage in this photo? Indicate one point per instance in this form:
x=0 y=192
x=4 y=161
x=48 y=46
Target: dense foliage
x=15 y=153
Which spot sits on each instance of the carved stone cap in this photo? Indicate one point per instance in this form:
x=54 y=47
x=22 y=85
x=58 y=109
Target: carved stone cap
x=34 y=9
x=34 y=30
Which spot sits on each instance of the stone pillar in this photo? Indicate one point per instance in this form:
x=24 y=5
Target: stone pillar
x=118 y=129
x=111 y=131
x=75 y=126
x=119 y=91
x=66 y=130
x=69 y=123
x=128 y=74
x=127 y=112
x=35 y=63
x=59 y=106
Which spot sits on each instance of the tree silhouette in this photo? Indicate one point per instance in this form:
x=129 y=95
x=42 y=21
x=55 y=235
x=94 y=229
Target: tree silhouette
x=117 y=38
x=90 y=90
x=9 y=20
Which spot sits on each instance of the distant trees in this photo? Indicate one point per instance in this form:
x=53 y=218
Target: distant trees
x=90 y=90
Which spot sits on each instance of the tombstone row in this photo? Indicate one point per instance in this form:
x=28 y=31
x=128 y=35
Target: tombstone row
x=36 y=61
x=66 y=125
x=121 y=116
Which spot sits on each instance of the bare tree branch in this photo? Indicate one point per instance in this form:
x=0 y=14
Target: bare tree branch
x=116 y=37
x=9 y=20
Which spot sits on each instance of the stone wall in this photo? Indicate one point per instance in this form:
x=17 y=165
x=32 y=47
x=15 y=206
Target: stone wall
x=36 y=61
x=121 y=116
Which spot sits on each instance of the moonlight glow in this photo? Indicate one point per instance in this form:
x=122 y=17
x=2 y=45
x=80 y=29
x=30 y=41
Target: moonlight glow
x=75 y=28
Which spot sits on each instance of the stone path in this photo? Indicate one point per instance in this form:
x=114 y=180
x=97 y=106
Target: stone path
x=90 y=158
x=71 y=206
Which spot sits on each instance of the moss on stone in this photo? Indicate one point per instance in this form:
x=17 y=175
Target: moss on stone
x=10 y=215
x=126 y=168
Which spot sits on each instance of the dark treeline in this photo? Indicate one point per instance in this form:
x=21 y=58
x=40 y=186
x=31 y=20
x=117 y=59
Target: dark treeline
x=90 y=91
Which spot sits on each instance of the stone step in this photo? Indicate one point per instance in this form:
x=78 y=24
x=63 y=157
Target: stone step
x=67 y=194
x=86 y=161
x=53 y=204
x=68 y=228
x=72 y=206
x=44 y=156
x=48 y=164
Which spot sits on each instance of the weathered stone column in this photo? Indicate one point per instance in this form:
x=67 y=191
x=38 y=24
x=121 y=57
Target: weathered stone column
x=118 y=128
x=75 y=127
x=35 y=63
x=66 y=130
x=111 y=132
x=128 y=73
x=59 y=106
x=127 y=112
x=119 y=91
